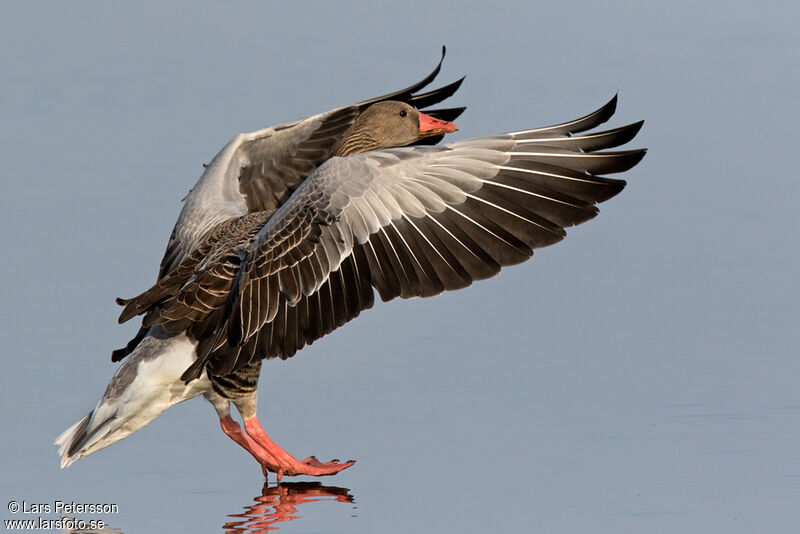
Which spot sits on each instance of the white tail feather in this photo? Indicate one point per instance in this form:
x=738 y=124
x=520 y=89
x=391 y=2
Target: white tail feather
x=66 y=438
x=146 y=383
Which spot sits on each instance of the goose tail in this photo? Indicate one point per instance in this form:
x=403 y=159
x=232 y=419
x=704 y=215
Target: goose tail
x=146 y=383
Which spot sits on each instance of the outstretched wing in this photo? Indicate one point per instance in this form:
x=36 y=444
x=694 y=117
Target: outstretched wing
x=258 y=171
x=408 y=222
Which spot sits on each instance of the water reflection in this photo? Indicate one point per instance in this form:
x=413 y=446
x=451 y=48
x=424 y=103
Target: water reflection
x=78 y=530
x=279 y=503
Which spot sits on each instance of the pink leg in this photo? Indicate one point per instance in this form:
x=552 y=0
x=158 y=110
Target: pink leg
x=283 y=463
x=235 y=432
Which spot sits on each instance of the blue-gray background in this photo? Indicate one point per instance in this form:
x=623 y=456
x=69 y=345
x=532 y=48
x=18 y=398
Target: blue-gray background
x=639 y=377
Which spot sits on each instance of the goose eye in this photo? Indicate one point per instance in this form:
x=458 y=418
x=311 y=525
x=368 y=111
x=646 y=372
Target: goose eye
x=403 y=113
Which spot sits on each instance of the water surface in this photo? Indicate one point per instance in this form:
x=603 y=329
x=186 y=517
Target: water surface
x=641 y=376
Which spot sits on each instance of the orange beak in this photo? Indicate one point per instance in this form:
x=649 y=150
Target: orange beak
x=429 y=126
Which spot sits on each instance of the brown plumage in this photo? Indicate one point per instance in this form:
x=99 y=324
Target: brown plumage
x=253 y=290
x=277 y=163
x=193 y=296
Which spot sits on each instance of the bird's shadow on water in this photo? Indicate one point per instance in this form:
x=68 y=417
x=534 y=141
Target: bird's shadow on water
x=279 y=503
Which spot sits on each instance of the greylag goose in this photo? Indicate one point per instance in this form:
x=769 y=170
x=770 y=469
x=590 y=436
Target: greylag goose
x=290 y=229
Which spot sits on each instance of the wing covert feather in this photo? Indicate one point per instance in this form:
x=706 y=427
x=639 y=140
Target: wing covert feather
x=407 y=222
